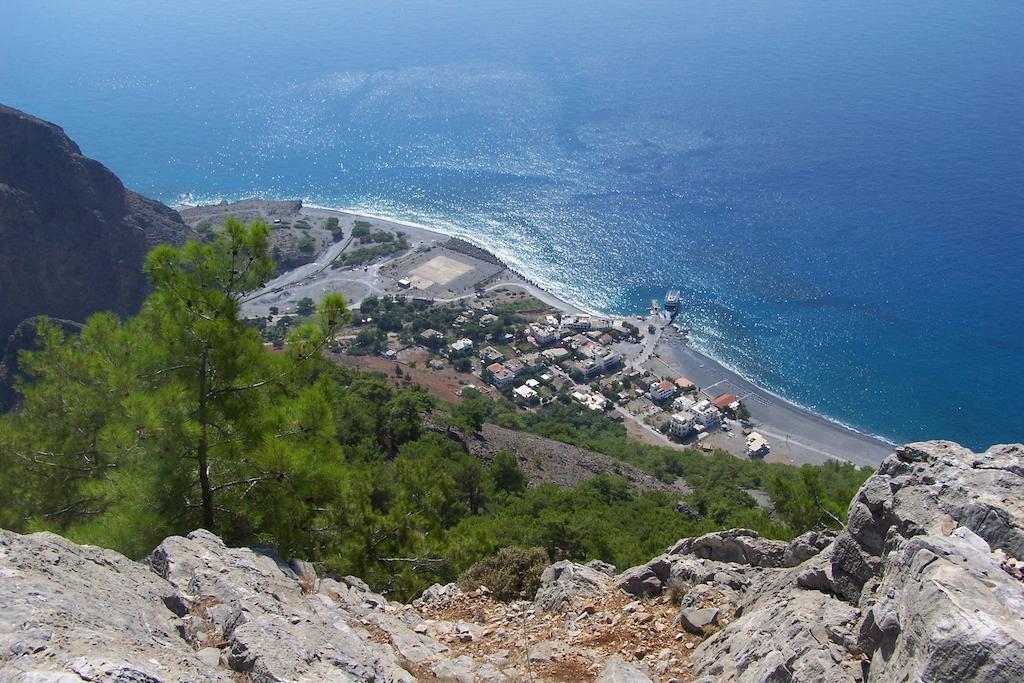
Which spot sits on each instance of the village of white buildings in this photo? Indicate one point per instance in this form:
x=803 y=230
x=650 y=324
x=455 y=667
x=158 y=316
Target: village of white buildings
x=591 y=360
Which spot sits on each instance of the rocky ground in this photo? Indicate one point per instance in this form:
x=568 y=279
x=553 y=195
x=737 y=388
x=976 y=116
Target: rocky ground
x=923 y=584
x=288 y=226
x=549 y=461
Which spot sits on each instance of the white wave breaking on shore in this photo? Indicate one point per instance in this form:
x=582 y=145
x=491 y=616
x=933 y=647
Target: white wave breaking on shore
x=553 y=288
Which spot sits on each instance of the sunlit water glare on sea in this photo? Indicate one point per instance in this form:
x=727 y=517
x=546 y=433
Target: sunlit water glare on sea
x=836 y=188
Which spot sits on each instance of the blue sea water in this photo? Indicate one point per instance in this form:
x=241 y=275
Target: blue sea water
x=836 y=187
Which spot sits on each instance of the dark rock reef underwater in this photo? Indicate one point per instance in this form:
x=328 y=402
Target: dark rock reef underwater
x=923 y=584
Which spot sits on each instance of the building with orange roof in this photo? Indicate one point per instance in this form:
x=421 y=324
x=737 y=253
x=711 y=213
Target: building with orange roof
x=723 y=401
x=663 y=390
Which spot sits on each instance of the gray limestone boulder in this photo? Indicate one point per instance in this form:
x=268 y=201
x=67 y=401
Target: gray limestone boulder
x=795 y=636
x=195 y=611
x=618 y=670
x=720 y=596
x=698 y=619
x=601 y=566
x=697 y=570
x=254 y=603
x=739 y=546
x=946 y=611
x=566 y=585
x=930 y=488
x=807 y=545
x=639 y=581
x=71 y=612
x=816 y=574
x=438 y=593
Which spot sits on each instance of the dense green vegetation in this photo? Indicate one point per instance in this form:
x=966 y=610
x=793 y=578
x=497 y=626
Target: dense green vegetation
x=360 y=229
x=803 y=498
x=366 y=254
x=180 y=417
x=336 y=232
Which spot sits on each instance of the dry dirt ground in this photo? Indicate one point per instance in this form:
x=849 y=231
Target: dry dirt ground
x=571 y=646
x=636 y=433
x=444 y=384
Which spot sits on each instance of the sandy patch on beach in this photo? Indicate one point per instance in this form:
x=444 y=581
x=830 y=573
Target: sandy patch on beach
x=439 y=270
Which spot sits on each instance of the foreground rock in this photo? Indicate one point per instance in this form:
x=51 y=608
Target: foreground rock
x=88 y=613
x=198 y=612
x=924 y=584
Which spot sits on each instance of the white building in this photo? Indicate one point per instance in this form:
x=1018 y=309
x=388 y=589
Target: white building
x=682 y=403
x=555 y=354
x=532 y=361
x=461 y=346
x=542 y=334
x=525 y=394
x=491 y=355
x=662 y=391
x=431 y=337
x=682 y=423
x=707 y=415
x=500 y=375
x=590 y=400
x=607 y=360
x=757 y=445
x=576 y=322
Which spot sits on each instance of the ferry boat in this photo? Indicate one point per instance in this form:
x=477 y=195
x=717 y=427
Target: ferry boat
x=672 y=300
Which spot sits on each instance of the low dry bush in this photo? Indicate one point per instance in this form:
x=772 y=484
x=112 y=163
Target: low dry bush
x=509 y=574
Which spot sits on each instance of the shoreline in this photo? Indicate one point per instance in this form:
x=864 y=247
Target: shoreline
x=798 y=434
x=535 y=288
x=875 y=443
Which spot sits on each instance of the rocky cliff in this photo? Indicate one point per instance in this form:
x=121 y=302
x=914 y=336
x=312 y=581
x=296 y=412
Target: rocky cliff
x=72 y=238
x=924 y=584
x=23 y=337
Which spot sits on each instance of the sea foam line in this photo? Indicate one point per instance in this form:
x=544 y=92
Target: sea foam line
x=552 y=287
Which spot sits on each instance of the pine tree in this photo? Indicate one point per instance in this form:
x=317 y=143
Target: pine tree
x=180 y=416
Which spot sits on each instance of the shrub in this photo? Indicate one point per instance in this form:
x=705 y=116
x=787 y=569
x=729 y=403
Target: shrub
x=677 y=590
x=306 y=306
x=510 y=574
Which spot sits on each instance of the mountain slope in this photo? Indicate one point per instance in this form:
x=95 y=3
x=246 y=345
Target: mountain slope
x=72 y=238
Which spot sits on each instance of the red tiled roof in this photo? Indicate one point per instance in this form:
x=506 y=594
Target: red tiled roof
x=722 y=401
x=684 y=382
